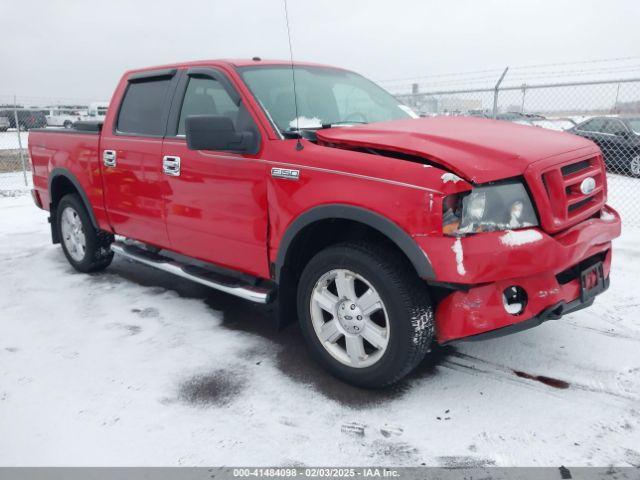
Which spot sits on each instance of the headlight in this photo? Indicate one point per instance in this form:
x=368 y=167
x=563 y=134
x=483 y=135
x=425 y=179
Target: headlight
x=487 y=208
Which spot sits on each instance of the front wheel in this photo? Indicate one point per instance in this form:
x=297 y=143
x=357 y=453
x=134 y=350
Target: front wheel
x=86 y=249
x=365 y=314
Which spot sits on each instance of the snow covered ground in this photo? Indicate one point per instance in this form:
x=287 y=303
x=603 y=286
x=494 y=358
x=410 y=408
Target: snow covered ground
x=135 y=367
x=623 y=193
x=9 y=140
x=13 y=183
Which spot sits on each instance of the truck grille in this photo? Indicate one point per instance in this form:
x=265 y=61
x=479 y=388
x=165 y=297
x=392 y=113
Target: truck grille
x=575 y=167
x=561 y=202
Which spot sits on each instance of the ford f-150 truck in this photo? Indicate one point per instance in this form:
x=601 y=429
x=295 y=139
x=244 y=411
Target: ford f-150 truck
x=379 y=231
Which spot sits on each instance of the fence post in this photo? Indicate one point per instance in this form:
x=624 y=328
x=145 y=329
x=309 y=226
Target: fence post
x=24 y=165
x=524 y=93
x=415 y=89
x=495 y=93
x=615 y=103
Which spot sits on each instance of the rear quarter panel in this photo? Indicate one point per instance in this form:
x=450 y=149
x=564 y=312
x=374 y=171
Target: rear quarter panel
x=76 y=153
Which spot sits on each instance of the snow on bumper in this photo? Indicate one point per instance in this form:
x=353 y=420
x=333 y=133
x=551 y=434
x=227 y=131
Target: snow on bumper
x=490 y=262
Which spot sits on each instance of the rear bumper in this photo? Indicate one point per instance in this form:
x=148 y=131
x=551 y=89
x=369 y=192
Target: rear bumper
x=546 y=267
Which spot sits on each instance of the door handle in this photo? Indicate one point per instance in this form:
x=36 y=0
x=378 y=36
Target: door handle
x=171 y=165
x=109 y=158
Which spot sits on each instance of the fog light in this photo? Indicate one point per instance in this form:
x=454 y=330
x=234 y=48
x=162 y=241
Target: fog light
x=514 y=300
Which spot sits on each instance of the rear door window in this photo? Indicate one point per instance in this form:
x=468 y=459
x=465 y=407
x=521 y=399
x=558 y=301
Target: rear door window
x=143 y=107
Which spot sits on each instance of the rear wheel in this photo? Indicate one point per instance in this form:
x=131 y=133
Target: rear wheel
x=365 y=314
x=86 y=249
x=67 y=124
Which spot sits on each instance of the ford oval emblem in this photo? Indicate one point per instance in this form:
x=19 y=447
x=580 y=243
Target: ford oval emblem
x=588 y=185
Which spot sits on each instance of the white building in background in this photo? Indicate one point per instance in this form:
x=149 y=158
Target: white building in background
x=458 y=105
x=426 y=104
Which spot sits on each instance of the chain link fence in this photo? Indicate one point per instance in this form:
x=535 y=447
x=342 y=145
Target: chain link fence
x=15 y=170
x=604 y=111
x=18 y=117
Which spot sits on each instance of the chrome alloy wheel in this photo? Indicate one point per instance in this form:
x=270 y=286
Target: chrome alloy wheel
x=73 y=234
x=634 y=166
x=349 y=318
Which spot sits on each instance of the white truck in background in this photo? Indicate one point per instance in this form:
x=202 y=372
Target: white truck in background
x=64 y=115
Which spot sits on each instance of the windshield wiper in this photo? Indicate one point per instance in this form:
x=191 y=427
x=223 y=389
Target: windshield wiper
x=345 y=122
x=293 y=132
x=306 y=133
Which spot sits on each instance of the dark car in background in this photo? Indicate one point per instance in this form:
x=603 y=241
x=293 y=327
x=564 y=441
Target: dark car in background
x=4 y=124
x=27 y=119
x=518 y=116
x=619 y=140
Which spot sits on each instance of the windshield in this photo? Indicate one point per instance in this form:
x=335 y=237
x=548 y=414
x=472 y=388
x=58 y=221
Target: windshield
x=325 y=96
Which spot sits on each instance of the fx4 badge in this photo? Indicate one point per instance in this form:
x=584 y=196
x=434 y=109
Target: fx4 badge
x=285 y=173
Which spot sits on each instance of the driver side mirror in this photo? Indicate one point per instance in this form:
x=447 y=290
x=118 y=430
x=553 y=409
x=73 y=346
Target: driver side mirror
x=215 y=132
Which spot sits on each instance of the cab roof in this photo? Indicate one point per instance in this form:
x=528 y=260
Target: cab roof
x=233 y=62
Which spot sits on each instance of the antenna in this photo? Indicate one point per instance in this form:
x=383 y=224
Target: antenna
x=299 y=145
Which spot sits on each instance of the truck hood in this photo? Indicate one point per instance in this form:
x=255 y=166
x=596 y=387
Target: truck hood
x=477 y=149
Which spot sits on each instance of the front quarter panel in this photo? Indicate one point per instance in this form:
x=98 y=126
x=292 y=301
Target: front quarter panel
x=407 y=193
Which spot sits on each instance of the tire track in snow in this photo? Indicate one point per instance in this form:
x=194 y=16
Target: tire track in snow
x=634 y=338
x=478 y=366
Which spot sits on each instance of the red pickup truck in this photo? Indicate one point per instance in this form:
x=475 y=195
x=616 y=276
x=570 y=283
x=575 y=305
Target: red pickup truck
x=380 y=232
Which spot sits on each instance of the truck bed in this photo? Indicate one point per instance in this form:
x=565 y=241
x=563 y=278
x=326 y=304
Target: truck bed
x=75 y=154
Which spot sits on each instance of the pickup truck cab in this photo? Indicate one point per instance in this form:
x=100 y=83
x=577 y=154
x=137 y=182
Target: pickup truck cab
x=380 y=232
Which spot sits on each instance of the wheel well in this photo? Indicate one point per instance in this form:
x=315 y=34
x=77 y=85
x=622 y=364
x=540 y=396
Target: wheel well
x=60 y=186
x=61 y=183
x=308 y=242
x=324 y=233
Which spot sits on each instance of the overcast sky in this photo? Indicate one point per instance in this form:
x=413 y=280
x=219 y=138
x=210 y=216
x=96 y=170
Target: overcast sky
x=78 y=49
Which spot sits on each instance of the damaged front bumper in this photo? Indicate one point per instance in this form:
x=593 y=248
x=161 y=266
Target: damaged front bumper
x=547 y=268
x=554 y=312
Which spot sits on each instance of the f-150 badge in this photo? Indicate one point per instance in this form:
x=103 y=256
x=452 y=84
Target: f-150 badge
x=285 y=173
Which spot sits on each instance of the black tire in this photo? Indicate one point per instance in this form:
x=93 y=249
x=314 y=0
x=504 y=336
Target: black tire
x=67 y=124
x=405 y=297
x=633 y=167
x=97 y=254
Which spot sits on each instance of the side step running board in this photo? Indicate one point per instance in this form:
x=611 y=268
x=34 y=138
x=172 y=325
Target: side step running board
x=196 y=274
